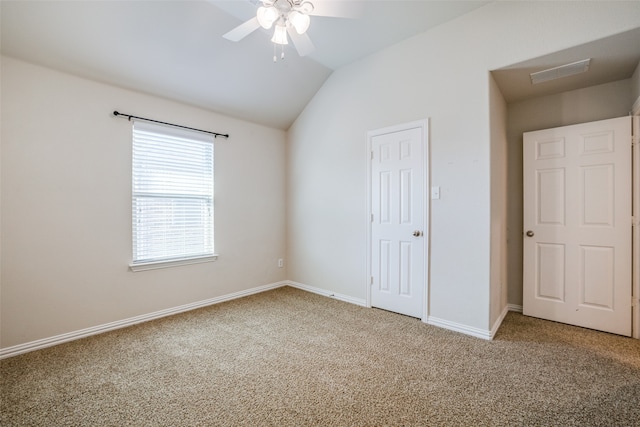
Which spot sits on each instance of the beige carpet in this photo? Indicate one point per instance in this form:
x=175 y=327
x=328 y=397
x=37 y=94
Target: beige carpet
x=291 y=358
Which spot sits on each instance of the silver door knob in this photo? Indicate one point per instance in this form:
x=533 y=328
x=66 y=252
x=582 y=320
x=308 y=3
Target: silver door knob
x=417 y=233
x=530 y=233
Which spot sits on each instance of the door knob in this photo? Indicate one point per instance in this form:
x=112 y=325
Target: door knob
x=417 y=233
x=530 y=233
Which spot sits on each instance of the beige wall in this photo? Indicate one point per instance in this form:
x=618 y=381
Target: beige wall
x=440 y=75
x=66 y=206
x=635 y=85
x=590 y=104
x=1 y=174
x=498 y=123
x=65 y=178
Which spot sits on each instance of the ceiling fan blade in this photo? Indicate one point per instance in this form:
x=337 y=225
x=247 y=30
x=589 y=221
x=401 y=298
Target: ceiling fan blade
x=241 y=9
x=338 y=9
x=242 y=30
x=302 y=42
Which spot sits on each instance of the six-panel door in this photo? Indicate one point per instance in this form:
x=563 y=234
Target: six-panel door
x=577 y=225
x=397 y=229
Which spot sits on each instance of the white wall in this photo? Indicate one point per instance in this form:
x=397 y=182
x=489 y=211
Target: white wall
x=584 y=105
x=442 y=75
x=66 y=206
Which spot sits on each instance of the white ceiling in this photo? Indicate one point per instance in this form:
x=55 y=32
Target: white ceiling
x=175 y=49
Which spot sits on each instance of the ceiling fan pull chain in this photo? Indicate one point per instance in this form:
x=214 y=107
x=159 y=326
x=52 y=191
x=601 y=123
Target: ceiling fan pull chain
x=275 y=57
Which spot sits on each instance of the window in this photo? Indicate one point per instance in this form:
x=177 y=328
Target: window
x=172 y=196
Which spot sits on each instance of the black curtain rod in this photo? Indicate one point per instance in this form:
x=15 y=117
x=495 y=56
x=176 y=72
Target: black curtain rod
x=129 y=116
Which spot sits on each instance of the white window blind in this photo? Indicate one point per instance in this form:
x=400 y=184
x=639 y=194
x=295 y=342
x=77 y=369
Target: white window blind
x=172 y=194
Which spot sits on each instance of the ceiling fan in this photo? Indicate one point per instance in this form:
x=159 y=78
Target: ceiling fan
x=291 y=19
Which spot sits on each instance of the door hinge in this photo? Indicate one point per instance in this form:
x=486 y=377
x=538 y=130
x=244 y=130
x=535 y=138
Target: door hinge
x=371 y=281
x=371 y=154
x=634 y=302
x=635 y=222
x=371 y=217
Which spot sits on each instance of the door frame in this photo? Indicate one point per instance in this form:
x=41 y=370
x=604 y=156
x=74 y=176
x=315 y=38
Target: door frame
x=423 y=125
x=635 y=203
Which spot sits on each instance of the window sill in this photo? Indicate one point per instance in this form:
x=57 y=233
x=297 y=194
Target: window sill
x=154 y=265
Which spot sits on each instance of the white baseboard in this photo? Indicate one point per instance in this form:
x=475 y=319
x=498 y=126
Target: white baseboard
x=326 y=293
x=498 y=322
x=446 y=324
x=515 y=307
x=83 y=333
x=458 y=327
x=59 y=339
x=469 y=330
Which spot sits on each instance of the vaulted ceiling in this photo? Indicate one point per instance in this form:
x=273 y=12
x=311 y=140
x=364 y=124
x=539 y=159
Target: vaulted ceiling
x=175 y=49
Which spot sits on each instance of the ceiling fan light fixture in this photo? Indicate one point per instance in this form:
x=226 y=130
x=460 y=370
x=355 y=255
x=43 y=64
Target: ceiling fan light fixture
x=299 y=21
x=267 y=16
x=280 y=35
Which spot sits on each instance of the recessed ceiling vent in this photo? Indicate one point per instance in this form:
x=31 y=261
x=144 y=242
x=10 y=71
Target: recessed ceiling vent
x=561 y=71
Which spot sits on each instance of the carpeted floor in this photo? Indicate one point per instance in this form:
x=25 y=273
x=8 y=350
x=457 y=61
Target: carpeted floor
x=292 y=358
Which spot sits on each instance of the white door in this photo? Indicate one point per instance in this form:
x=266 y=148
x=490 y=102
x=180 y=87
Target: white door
x=398 y=207
x=577 y=224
